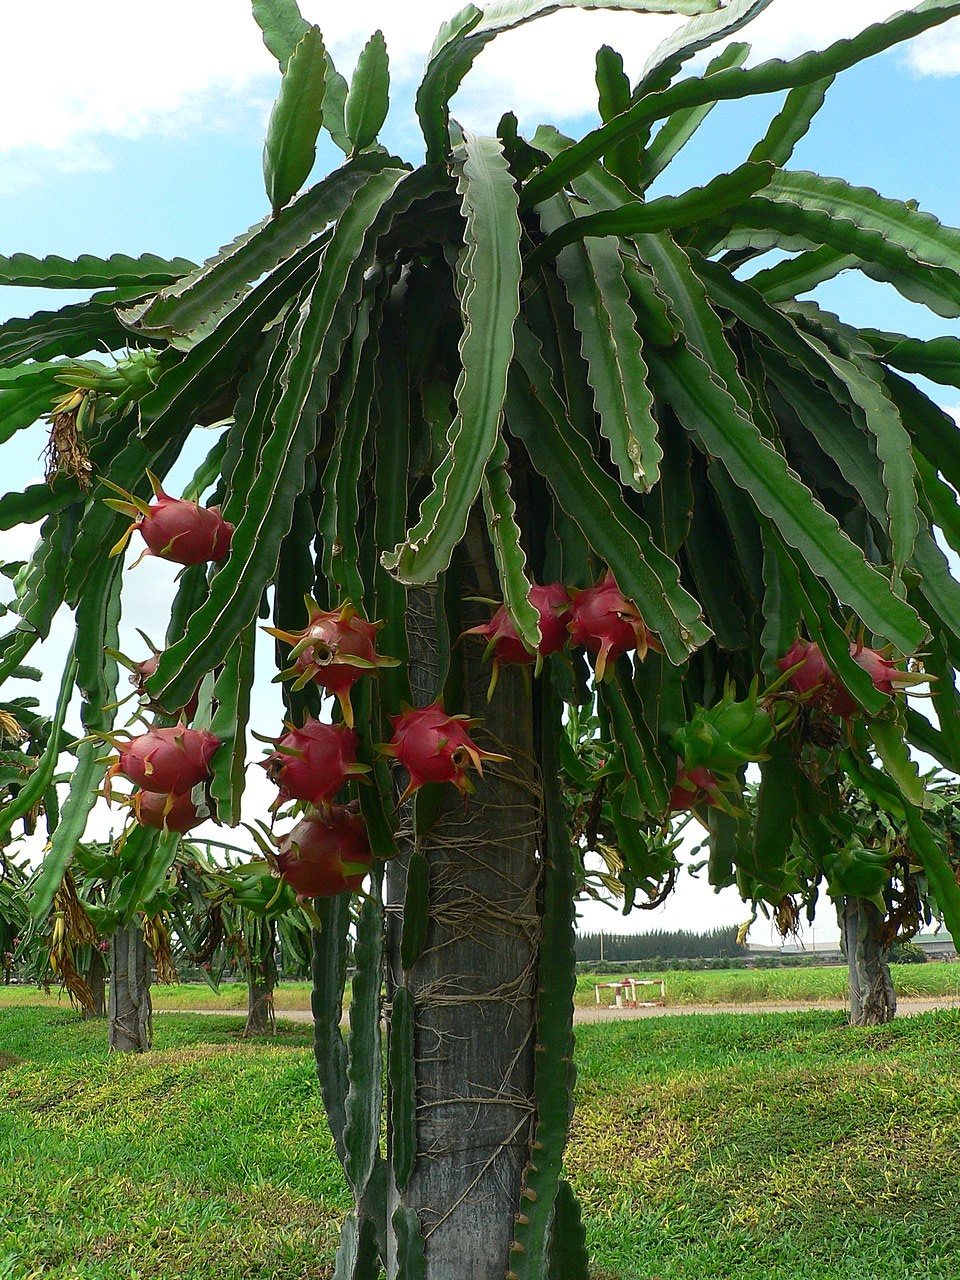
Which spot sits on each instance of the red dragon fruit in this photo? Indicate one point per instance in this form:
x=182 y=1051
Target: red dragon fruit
x=170 y=761
x=693 y=787
x=608 y=624
x=333 y=650
x=883 y=671
x=435 y=747
x=166 y=812
x=313 y=763
x=552 y=603
x=141 y=673
x=814 y=678
x=325 y=854
x=174 y=529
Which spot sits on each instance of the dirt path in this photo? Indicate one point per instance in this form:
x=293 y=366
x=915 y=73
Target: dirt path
x=905 y=1008
x=606 y=1013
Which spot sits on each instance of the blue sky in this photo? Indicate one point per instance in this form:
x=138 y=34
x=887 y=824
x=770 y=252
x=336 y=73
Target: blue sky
x=133 y=128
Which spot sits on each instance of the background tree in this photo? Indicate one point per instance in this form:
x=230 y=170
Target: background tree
x=882 y=893
x=14 y=913
x=505 y=367
x=264 y=930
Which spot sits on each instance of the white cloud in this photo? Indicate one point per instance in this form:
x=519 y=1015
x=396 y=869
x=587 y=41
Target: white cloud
x=74 y=75
x=937 y=52
x=70 y=70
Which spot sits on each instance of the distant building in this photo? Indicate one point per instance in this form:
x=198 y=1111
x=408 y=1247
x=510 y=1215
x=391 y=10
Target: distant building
x=938 y=946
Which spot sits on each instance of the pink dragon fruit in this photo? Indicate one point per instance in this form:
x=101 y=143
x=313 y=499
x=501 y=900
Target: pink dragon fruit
x=174 y=529
x=435 y=747
x=170 y=761
x=314 y=762
x=325 y=854
x=606 y=623
x=552 y=603
x=333 y=650
x=814 y=679
x=166 y=812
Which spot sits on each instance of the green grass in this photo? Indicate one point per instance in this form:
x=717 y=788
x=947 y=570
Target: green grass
x=770 y=1145
x=755 y=1146
x=208 y=1157
x=780 y=986
x=707 y=987
x=231 y=997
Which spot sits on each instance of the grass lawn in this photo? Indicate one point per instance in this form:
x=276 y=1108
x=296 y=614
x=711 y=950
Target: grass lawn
x=709 y=1146
x=719 y=987
x=784 y=986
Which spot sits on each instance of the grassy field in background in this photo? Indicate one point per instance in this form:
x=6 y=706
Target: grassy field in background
x=706 y=987
x=730 y=1146
x=783 y=986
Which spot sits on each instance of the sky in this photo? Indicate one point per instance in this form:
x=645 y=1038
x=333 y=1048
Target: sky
x=138 y=128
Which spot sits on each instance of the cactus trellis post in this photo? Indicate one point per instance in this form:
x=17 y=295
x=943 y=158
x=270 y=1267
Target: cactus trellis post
x=512 y=366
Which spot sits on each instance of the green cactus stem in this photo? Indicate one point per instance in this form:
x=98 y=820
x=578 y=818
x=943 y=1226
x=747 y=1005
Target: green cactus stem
x=554 y=1070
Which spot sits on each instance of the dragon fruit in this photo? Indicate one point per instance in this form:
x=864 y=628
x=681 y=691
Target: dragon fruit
x=435 y=747
x=170 y=761
x=552 y=603
x=728 y=735
x=174 y=529
x=166 y=812
x=812 y=677
x=693 y=787
x=314 y=762
x=606 y=623
x=141 y=673
x=325 y=854
x=333 y=650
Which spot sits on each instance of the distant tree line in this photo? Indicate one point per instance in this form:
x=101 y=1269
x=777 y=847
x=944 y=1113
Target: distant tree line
x=661 y=944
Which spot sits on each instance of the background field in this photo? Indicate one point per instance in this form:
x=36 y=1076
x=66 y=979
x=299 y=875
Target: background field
x=715 y=1145
x=702 y=987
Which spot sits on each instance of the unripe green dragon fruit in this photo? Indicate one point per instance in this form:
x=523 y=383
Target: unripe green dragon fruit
x=726 y=736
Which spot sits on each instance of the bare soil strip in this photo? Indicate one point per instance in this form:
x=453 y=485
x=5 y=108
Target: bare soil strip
x=906 y=1007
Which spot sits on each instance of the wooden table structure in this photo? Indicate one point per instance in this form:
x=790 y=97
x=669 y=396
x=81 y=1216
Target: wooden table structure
x=625 y=995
